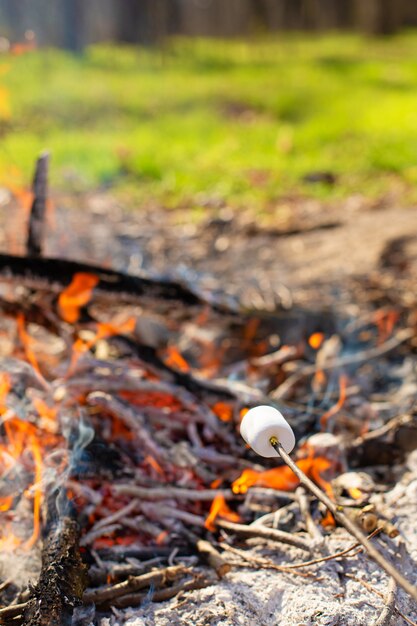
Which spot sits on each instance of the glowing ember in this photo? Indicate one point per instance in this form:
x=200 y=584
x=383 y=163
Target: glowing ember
x=328 y=521
x=355 y=493
x=339 y=404
x=76 y=295
x=315 y=340
x=104 y=330
x=385 y=322
x=219 y=508
x=175 y=359
x=27 y=343
x=223 y=411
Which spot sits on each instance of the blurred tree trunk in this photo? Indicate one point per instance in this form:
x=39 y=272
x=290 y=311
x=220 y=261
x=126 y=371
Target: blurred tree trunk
x=215 y=17
x=73 y=25
x=143 y=21
x=379 y=17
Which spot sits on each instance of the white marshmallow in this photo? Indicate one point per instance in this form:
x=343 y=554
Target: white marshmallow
x=260 y=424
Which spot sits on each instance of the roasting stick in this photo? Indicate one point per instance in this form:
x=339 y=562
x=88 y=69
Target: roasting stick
x=269 y=434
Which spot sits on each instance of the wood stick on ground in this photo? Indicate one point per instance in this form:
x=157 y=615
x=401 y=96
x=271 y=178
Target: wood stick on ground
x=14 y=610
x=170 y=492
x=160 y=595
x=389 y=605
x=330 y=557
x=36 y=228
x=303 y=502
x=62 y=578
x=134 y=583
x=344 y=520
x=378 y=593
x=271 y=534
x=213 y=557
x=261 y=562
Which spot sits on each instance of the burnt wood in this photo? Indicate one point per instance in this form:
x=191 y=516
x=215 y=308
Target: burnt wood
x=55 y=274
x=62 y=580
x=36 y=228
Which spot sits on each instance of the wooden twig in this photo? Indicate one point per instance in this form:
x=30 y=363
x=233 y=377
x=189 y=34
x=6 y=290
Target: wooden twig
x=9 y=612
x=134 y=583
x=387 y=612
x=99 y=574
x=345 y=521
x=380 y=595
x=36 y=228
x=311 y=527
x=169 y=492
x=259 y=562
x=160 y=595
x=213 y=557
x=330 y=557
x=271 y=534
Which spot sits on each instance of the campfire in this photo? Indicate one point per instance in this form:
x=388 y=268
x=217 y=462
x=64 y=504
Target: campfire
x=124 y=478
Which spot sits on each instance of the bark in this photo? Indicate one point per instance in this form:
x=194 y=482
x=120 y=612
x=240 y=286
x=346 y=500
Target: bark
x=62 y=580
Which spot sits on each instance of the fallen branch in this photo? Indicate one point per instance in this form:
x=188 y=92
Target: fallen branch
x=167 y=493
x=160 y=595
x=330 y=557
x=303 y=502
x=213 y=557
x=134 y=583
x=380 y=595
x=36 y=227
x=389 y=605
x=271 y=534
x=62 y=578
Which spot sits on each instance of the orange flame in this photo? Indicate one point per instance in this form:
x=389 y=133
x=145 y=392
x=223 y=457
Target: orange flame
x=104 y=330
x=27 y=341
x=22 y=436
x=5 y=385
x=315 y=340
x=339 y=404
x=150 y=460
x=23 y=444
x=385 y=321
x=175 y=359
x=223 y=411
x=219 y=508
x=328 y=521
x=281 y=478
x=47 y=414
x=76 y=295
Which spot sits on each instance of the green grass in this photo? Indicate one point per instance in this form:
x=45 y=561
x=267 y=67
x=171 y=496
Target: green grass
x=202 y=121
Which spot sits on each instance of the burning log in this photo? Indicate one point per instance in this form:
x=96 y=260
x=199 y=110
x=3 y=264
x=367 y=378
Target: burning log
x=55 y=274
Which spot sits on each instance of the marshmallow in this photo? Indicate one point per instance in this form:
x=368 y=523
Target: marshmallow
x=260 y=424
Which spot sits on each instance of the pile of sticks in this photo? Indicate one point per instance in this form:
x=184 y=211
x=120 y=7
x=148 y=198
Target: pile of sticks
x=150 y=445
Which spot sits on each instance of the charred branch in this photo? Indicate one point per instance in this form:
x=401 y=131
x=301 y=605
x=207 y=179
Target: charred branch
x=55 y=274
x=36 y=227
x=62 y=579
